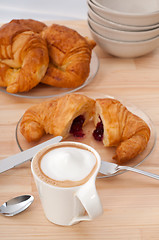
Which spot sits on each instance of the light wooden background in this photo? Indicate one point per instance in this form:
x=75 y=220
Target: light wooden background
x=130 y=201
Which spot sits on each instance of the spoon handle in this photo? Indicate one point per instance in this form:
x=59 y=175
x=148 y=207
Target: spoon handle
x=139 y=171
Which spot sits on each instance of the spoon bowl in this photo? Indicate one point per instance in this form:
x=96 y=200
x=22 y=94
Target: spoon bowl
x=16 y=205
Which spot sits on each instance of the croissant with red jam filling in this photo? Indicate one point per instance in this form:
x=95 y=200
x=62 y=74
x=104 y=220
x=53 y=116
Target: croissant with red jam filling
x=116 y=126
x=61 y=117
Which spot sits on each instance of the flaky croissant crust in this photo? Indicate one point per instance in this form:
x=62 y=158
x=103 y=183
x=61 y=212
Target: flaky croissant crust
x=70 y=55
x=55 y=116
x=122 y=128
x=23 y=55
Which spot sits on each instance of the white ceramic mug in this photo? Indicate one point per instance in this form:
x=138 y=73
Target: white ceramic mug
x=69 y=205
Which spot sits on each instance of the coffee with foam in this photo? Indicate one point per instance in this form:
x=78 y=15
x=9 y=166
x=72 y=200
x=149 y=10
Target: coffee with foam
x=66 y=165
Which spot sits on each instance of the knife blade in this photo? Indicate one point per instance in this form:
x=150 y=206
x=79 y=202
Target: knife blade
x=19 y=158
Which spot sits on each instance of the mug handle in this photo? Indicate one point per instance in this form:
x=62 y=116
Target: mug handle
x=89 y=198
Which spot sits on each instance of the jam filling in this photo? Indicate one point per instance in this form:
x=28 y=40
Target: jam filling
x=76 y=128
x=98 y=132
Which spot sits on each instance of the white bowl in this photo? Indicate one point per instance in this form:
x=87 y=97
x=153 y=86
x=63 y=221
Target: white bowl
x=107 y=23
x=130 y=6
x=125 y=49
x=121 y=35
x=116 y=14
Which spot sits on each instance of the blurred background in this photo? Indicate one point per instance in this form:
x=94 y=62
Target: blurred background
x=43 y=9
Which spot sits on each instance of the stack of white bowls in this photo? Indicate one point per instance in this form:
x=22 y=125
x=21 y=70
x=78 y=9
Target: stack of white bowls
x=125 y=28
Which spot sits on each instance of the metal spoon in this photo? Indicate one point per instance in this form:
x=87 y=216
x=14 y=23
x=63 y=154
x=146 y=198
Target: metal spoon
x=16 y=205
x=110 y=169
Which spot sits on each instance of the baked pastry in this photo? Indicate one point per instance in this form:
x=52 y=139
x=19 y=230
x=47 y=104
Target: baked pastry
x=116 y=126
x=70 y=56
x=31 y=24
x=62 y=116
x=23 y=55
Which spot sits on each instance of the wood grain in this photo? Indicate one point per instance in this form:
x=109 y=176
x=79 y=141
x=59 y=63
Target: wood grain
x=130 y=201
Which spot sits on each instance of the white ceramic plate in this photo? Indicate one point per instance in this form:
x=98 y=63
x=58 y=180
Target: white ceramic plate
x=46 y=91
x=105 y=153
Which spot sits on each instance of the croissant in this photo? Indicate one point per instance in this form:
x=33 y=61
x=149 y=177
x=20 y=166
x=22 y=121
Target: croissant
x=62 y=116
x=31 y=24
x=23 y=55
x=70 y=56
x=116 y=126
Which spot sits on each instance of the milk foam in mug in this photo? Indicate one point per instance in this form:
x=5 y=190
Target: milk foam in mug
x=65 y=175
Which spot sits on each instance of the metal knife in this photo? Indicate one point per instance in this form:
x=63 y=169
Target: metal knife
x=13 y=161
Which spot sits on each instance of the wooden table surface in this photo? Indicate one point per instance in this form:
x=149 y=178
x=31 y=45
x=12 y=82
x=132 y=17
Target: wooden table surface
x=130 y=200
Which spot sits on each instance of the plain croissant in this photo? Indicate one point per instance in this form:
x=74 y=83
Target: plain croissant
x=23 y=55
x=31 y=24
x=70 y=55
x=116 y=126
x=61 y=116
